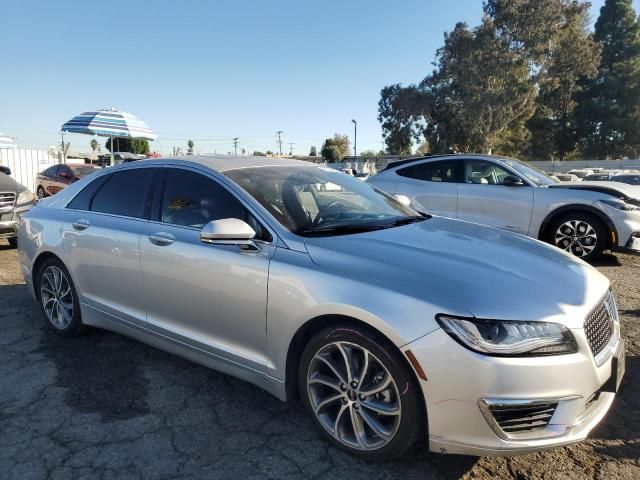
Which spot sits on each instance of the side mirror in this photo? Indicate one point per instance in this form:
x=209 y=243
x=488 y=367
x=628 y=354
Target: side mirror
x=227 y=231
x=511 y=181
x=5 y=170
x=403 y=199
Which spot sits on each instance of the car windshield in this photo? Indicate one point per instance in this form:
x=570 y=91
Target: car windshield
x=82 y=170
x=531 y=173
x=321 y=201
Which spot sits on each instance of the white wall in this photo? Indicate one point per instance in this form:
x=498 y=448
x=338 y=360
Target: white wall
x=25 y=164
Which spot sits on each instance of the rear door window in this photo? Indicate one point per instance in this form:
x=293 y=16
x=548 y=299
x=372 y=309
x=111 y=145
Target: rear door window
x=444 y=171
x=125 y=193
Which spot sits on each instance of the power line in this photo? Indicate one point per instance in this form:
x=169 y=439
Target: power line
x=279 y=133
x=235 y=145
x=291 y=144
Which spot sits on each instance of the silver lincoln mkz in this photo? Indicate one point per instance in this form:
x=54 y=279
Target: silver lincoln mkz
x=394 y=327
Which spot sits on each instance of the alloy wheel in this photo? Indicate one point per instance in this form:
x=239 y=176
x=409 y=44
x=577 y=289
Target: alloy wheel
x=577 y=237
x=353 y=396
x=40 y=193
x=56 y=297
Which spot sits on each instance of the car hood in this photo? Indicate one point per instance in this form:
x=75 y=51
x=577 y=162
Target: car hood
x=617 y=189
x=8 y=184
x=467 y=269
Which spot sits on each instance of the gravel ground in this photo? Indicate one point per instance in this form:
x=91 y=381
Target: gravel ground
x=103 y=406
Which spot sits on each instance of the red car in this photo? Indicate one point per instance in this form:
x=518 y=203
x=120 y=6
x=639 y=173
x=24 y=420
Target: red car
x=55 y=178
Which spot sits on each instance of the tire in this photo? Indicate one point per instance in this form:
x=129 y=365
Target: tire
x=13 y=242
x=324 y=387
x=58 y=299
x=581 y=234
x=40 y=192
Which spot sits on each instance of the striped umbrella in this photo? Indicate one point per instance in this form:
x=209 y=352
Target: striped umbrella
x=109 y=123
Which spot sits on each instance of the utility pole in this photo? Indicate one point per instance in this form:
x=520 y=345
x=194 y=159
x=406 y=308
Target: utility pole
x=279 y=133
x=291 y=144
x=235 y=146
x=355 y=138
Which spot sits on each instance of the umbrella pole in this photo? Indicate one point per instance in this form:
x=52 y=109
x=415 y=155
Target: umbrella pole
x=111 y=161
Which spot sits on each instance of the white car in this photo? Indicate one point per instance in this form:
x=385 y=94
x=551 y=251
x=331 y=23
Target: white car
x=582 y=218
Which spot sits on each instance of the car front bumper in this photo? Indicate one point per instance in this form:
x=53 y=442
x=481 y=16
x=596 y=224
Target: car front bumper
x=461 y=384
x=627 y=225
x=10 y=220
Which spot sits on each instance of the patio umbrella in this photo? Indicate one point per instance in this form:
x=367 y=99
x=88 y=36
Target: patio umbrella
x=109 y=123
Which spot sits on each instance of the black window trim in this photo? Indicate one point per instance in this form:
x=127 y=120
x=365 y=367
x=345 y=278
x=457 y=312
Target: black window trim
x=159 y=193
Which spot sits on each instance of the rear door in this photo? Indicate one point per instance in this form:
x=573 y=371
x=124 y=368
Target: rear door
x=432 y=186
x=49 y=181
x=482 y=197
x=103 y=241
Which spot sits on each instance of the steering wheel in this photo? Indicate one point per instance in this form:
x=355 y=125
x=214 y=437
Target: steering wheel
x=322 y=211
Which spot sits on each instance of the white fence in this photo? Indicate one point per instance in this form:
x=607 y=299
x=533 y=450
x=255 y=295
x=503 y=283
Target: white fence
x=25 y=164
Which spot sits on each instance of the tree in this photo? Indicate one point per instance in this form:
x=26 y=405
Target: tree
x=336 y=148
x=258 y=154
x=561 y=54
x=423 y=148
x=94 y=145
x=609 y=111
x=127 y=144
x=399 y=111
x=190 y=147
x=313 y=152
x=368 y=154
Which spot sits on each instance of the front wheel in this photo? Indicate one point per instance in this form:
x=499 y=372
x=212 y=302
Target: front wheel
x=581 y=234
x=361 y=393
x=13 y=242
x=40 y=193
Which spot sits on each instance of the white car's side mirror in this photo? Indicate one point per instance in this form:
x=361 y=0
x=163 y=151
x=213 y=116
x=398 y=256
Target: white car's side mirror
x=227 y=231
x=403 y=199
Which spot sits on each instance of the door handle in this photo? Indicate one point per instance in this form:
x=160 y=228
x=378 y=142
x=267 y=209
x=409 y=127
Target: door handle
x=81 y=224
x=162 y=239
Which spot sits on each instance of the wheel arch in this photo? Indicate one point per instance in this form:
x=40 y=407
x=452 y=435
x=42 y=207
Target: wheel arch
x=581 y=209
x=37 y=264
x=313 y=326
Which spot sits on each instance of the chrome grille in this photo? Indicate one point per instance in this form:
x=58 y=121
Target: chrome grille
x=598 y=326
x=7 y=200
x=522 y=418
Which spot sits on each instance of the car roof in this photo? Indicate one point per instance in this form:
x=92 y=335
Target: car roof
x=222 y=163
x=452 y=156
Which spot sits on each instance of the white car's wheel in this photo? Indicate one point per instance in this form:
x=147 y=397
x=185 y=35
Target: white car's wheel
x=580 y=234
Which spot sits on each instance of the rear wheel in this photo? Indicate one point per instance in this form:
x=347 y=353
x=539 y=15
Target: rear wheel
x=361 y=393
x=58 y=298
x=581 y=234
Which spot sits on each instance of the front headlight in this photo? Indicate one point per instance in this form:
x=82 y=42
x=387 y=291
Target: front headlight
x=509 y=338
x=620 y=205
x=24 y=198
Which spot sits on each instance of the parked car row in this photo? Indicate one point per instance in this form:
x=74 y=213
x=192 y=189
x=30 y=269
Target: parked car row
x=394 y=327
x=582 y=218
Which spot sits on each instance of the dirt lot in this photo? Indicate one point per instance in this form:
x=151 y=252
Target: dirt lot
x=103 y=406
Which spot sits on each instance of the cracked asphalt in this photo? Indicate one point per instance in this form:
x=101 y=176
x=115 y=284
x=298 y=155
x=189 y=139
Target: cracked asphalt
x=103 y=406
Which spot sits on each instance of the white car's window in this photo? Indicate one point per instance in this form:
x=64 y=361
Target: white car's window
x=312 y=200
x=442 y=171
x=484 y=173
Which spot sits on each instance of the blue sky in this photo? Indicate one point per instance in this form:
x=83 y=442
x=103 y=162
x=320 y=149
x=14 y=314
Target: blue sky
x=214 y=70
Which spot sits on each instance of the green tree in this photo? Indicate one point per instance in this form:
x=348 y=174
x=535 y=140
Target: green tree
x=336 y=148
x=257 y=153
x=190 y=147
x=94 y=144
x=368 y=154
x=313 y=152
x=400 y=111
x=127 y=144
x=609 y=111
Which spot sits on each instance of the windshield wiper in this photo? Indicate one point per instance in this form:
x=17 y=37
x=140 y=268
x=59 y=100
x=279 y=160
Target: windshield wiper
x=407 y=220
x=340 y=229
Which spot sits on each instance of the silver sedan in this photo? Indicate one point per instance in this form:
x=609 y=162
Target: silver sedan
x=394 y=327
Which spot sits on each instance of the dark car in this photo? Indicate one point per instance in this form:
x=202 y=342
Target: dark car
x=54 y=179
x=630 y=178
x=15 y=199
